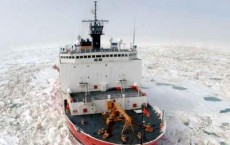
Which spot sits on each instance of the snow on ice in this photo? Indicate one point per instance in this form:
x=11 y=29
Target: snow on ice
x=190 y=83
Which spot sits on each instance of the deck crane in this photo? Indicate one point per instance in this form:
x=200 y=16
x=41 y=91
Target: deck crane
x=117 y=114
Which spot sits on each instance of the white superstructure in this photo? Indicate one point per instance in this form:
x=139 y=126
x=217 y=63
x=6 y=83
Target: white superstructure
x=100 y=71
x=91 y=75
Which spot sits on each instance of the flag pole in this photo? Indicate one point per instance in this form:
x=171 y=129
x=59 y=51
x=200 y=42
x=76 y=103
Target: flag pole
x=143 y=138
x=142 y=123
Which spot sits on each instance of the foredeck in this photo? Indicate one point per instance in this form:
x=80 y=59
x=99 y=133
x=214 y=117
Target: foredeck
x=99 y=95
x=95 y=122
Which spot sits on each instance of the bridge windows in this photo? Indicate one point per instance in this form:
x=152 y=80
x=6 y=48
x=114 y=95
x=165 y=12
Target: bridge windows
x=99 y=57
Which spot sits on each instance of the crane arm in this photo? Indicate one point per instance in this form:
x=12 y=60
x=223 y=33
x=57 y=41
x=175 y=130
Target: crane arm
x=115 y=111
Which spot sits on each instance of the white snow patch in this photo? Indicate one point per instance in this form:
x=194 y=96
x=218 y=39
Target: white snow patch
x=8 y=140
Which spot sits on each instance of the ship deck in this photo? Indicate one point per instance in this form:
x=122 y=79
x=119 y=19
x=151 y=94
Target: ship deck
x=94 y=122
x=99 y=95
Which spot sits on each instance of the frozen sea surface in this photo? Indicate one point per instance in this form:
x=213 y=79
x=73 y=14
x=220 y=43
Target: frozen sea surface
x=178 y=79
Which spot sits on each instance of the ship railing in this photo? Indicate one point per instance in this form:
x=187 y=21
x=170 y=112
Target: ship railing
x=78 y=51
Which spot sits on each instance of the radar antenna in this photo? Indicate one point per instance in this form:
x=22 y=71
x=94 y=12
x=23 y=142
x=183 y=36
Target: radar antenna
x=96 y=29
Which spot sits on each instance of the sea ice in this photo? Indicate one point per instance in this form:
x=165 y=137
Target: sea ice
x=176 y=78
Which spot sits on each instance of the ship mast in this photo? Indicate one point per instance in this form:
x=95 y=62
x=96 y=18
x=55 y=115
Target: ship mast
x=96 y=29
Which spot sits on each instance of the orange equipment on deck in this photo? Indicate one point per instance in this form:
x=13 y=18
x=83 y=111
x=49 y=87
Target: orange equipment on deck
x=116 y=114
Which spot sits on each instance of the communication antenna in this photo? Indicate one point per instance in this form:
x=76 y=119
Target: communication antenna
x=134 y=32
x=95 y=10
x=119 y=41
x=111 y=40
x=79 y=37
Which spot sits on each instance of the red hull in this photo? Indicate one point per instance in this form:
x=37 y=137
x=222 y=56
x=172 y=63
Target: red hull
x=87 y=139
